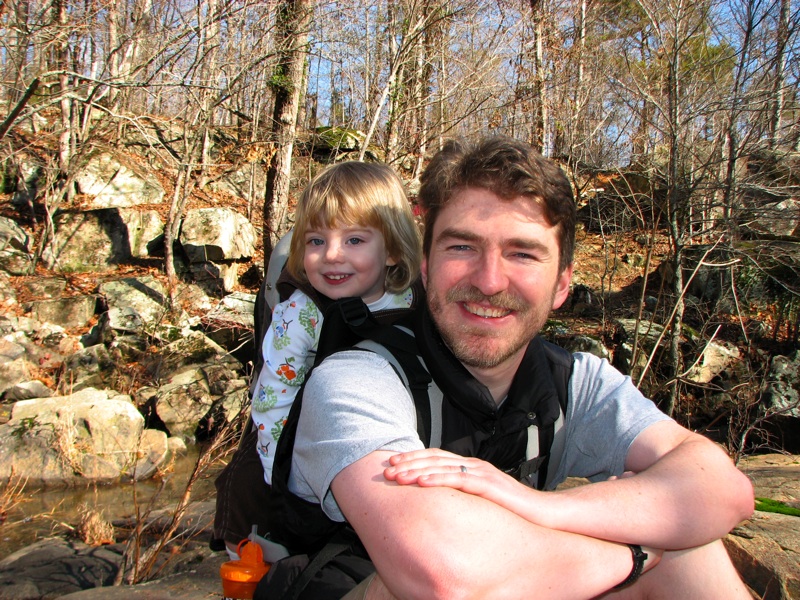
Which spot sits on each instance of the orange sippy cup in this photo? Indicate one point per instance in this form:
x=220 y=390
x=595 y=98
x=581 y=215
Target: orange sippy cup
x=240 y=577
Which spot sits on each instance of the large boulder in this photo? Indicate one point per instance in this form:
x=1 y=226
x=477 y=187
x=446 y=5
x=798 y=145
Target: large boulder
x=217 y=234
x=92 y=240
x=91 y=435
x=117 y=181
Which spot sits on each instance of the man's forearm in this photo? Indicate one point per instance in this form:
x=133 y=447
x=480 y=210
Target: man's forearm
x=688 y=497
x=685 y=493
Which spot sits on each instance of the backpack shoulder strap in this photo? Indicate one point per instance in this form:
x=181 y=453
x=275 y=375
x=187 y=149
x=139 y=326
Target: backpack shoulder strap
x=551 y=438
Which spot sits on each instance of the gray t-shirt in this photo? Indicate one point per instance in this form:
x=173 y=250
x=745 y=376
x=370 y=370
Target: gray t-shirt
x=354 y=404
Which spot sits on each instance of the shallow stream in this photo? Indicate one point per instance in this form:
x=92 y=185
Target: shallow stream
x=47 y=512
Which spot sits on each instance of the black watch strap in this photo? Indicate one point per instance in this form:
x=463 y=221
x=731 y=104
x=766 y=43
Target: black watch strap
x=639 y=556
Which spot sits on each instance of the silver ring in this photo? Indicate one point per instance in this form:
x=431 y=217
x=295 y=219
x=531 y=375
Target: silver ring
x=463 y=469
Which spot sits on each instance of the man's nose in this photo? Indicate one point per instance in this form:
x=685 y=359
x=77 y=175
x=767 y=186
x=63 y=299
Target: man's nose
x=490 y=275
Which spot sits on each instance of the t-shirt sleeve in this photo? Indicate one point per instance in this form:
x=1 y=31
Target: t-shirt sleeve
x=354 y=403
x=605 y=414
x=288 y=349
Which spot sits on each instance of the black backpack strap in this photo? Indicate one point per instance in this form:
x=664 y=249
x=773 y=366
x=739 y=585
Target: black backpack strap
x=331 y=550
x=561 y=363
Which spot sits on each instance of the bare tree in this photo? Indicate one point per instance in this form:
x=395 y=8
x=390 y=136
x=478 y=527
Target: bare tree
x=292 y=28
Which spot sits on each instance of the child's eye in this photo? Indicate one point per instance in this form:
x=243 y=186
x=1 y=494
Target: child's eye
x=355 y=241
x=315 y=242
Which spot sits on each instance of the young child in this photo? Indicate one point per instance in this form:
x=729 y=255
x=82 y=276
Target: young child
x=354 y=235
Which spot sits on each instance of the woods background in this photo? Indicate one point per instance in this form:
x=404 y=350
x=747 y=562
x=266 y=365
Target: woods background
x=682 y=114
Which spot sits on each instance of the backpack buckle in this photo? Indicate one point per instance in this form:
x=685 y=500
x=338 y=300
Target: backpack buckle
x=354 y=311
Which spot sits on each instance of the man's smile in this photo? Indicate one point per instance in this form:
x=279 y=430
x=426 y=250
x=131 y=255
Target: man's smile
x=487 y=312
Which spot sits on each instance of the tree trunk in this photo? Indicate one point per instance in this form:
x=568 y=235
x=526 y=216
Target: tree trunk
x=539 y=132
x=293 y=21
x=778 y=92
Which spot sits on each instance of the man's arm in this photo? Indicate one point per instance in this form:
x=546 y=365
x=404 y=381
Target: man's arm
x=442 y=543
x=684 y=491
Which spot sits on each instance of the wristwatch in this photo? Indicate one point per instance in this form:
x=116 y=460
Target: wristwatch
x=639 y=556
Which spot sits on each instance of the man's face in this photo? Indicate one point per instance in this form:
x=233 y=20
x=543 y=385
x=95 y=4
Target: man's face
x=492 y=277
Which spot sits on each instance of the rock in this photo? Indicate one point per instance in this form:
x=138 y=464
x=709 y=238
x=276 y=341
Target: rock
x=193 y=349
x=140 y=301
x=12 y=372
x=766 y=552
x=66 y=312
x=215 y=279
x=201 y=582
x=15 y=257
x=718 y=357
x=91 y=435
x=766 y=548
x=116 y=181
x=783 y=390
x=217 y=234
x=8 y=296
x=338 y=139
x=29 y=171
x=145 y=232
x=182 y=402
x=89 y=241
x=245 y=182
x=27 y=390
x=154 y=452
x=45 y=287
x=55 y=567
x=237 y=308
x=91 y=367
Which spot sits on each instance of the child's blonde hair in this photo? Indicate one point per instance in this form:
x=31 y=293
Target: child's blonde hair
x=367 y=195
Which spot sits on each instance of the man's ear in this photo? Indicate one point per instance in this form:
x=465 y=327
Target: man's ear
x=423 y=271
x=562 y=287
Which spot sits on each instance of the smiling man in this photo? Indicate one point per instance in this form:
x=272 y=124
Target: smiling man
x=461 y=520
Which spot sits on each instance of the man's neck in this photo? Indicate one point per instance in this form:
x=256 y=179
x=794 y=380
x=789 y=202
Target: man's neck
x=498 y=379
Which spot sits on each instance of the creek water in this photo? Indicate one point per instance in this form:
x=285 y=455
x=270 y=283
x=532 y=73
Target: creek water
x=46 y=512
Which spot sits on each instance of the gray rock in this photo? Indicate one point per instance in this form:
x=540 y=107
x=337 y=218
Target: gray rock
x=718 y=357
x=216 y=279
x=27 y=390
x=182 y=402
x=247 y=182
x=115 y=181
x=91 y=435
x=45 y=287
x=92 y=367
x=782 y=393
x=144 y=297
x=15 y=257
x=66 y=312
x=236 y=308
x=8 y=296
x=89 y=241
x=145 y=231
x=55 y=567
x=217 y=234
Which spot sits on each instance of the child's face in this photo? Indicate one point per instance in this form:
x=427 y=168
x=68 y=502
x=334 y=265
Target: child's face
x=346 y=262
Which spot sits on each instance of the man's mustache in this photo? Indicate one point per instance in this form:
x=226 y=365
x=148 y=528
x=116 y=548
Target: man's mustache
x=503 y=300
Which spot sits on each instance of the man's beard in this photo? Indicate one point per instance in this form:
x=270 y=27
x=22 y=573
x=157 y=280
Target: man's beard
x=474 y=346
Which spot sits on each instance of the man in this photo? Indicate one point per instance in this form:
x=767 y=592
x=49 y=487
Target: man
x=498 y=258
